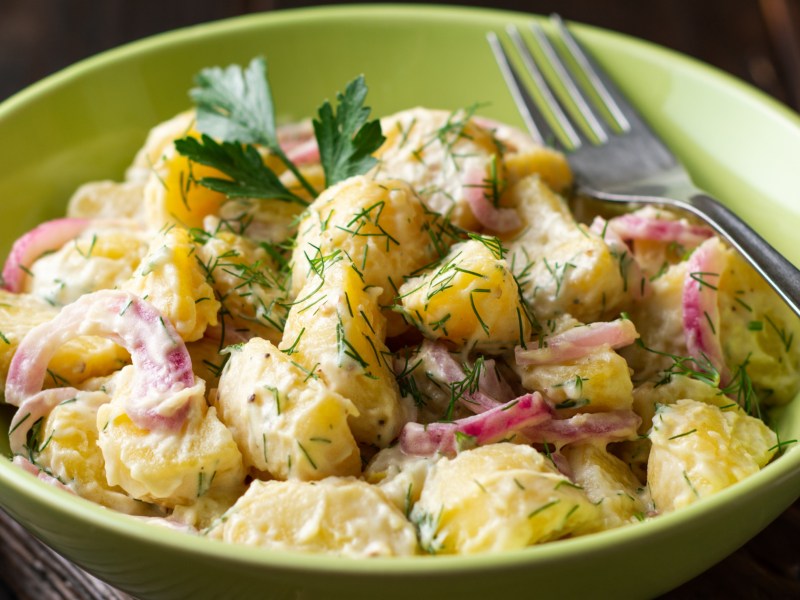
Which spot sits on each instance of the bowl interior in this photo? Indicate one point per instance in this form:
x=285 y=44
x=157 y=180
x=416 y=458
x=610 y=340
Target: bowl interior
x=86 y=122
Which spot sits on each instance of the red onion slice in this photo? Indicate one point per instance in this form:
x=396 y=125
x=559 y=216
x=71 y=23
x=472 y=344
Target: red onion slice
x=441 y=366
x=31 y=468
x=33 y=408
x=501 y=220
x=602 y=428
x=635 y=226
x=578 y=342
x=630 y=269
x=701 y=306
x=160 y=359
x=488 y=427
x=50 y=235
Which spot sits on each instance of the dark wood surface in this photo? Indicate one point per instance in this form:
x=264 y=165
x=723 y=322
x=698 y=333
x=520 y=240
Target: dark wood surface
x=757 y=41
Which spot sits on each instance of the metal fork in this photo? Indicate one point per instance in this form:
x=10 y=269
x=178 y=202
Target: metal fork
x=631 y=165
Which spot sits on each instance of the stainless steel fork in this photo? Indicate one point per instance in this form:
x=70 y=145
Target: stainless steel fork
x=630 y=164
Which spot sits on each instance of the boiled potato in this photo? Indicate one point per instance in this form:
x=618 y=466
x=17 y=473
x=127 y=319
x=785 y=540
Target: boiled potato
x=173 y=194
x=382 y=226
x=108 y=199
x=158 y=144
x=499 y=497
x=172 y=280
x=336 y=331
x=250 y=286
x=470 y=298
x=659 y=321
x=550 y=165
x=597 y=382
x=442 y=155
x=167 y=468
x=650 y=395
x=761 y=333
x=103 y=256
x=399 y=476
x=285 y=423
x=561 y=266
x=67 y=449
x=609 y=483
x=342 y=516
x=699 y=449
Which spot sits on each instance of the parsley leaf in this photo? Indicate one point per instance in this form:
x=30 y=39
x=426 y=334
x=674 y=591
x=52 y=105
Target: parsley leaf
x=346 y=140
x=249 y=176
x=235 y=105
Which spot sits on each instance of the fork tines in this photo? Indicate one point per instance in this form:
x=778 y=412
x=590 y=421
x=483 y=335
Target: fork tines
x=552 y=61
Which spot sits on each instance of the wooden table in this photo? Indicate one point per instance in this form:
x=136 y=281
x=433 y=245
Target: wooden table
x=754 y=40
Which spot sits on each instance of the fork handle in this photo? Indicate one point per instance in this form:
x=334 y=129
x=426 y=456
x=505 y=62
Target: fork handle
x=781 y=274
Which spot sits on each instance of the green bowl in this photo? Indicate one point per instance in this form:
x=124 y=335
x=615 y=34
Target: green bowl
x=86 y=123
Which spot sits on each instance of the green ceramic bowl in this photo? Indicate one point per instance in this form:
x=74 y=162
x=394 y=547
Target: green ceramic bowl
x=87 y=121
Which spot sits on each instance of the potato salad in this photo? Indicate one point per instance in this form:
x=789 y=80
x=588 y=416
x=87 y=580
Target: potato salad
x=380 y=337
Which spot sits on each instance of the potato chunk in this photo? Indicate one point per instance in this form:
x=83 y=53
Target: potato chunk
x=597 y=382
x=561 y=266
x=441 y=154
x=251 y=287
x=342 y=516
x=761 y=332
x=336 y=331
x=469 y=298
x=168 y=467
x=609 y=483
x=67 y=449
x=108 y=199
x=285 y=422
x=171 y=279
x=699 y=449
x=103 y=256
x=499 y=497
x=173 y=194
x=382 y=226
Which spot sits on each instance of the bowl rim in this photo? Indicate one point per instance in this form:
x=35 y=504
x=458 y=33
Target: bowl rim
x=68 y=505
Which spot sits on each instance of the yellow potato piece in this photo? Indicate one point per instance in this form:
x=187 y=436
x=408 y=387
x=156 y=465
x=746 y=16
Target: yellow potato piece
x=168 y=467
x=659 y=321
x=102 y=257
x=760 y=333
x=551 y=165
x=399 y=476
x=650 y=395
x=67 y=449
x=285 y=423
x=597 y=382
x=561 y=266
x=251 y=287
x=171 y=278
x=74 y=362
x=381 y=225
x=432 y=150
x=499 y=497
x=341 y=516
x=158 y=144
x=699 y=449
x=108 y=199
x=336 y=331
x=173 y=194
x=609 y=483
x=469 y=298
